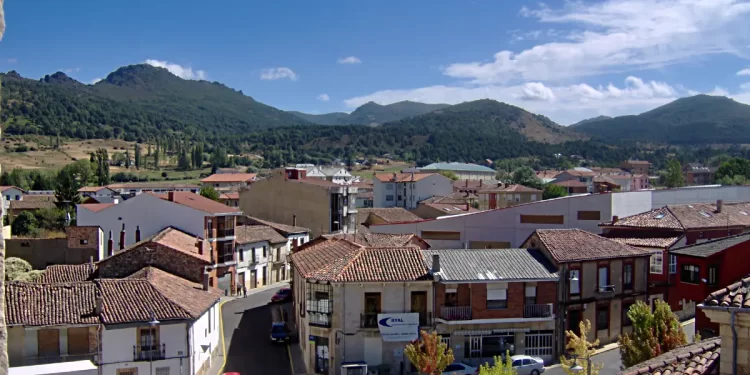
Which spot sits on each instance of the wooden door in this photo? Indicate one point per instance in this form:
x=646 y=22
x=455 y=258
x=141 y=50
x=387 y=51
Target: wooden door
x=241 y=280
x=253 y=279
x=48 y=342
x=78 y=341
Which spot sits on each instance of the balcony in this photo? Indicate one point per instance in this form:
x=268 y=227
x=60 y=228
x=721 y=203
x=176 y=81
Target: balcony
x=149 y=353
x=455 y=313
x=321 y=306
x=224 y=232
x=538 y=311
x=319 y=319
x=606 y=289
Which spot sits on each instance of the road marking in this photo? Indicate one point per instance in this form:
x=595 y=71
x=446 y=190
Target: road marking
x=291 y=362
x=221 y=334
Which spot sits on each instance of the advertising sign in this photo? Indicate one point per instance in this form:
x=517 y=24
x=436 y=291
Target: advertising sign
x=399 y=327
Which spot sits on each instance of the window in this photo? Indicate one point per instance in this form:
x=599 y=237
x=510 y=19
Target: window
x=265 y=251
x=389 y=198
x=672 y=264
x=603 y=277
x=400 y=198
x=533 y=197
x=162 y=371
x=690 y=274
x=389 y=186
x=497 y=299
x=656 y=263
x=451 y=298
x=18 y=197
x=7 y=197
x=530 y=295
x=602 y=317
x=627 y=276
x=713 y=272
x=542 y=219
x=589 y=215
x=127 y=371
x=84 y=242
x=518 y=197
x=575 y=282
x=242 y=255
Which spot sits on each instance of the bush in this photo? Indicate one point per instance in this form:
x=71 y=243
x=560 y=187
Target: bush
x=24 y=224
x=22 y=148
x=164 y=174
x=15 y=268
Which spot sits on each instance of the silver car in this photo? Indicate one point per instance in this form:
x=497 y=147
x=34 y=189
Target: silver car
x=527 y=365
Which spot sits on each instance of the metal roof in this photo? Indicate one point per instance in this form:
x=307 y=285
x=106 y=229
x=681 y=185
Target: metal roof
x=492 y=264
x=708 y=248
x=457 y=167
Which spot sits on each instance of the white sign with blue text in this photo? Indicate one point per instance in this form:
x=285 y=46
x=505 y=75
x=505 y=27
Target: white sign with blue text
x=399 y=327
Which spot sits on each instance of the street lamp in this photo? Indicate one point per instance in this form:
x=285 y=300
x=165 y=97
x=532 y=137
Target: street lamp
x=154 y=345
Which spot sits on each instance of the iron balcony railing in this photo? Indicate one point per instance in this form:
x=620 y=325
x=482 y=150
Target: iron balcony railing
x=227 y=232
x=149 y=353
x=322 y=306
x=455 y=313
x=319 y=319
x=543 y=310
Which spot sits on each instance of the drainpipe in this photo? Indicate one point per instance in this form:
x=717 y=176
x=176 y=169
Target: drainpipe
x=732 y=312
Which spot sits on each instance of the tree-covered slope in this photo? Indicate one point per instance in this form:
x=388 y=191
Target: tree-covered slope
x=372 y=113
x=700 y=119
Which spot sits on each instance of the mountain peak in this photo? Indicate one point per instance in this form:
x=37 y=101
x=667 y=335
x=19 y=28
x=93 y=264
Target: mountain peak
x=58 y=78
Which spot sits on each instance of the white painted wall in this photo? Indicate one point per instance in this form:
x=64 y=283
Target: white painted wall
x=700 y=194
x=428 y=187
x=203 y=342
x=151 y=213
x=117 y=349
x=11 y=194
x=246 y=265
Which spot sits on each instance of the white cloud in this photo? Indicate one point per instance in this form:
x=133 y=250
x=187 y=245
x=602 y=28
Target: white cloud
x=618 y=36
x=94 y=81
x=272 y=74
x=178 y=70
x=718 y=91
x=350 y=60
x=71 y=70
x=744 y=72
x=324 y=97
x=12 y=60
x=563 y=103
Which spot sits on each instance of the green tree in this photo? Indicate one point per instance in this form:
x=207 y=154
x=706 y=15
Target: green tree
x=137 y=156
x=156 y=155
x=653 y=333
x=501 y=367
x=209 y=192
x=219 y=159
x=71 y=178
x=127 y=159
x=732 y=168
x=449 y=174
x=183 y=161
x=554 y=191
x=428 y=354
x=673 y=177
x=527 y=177
x=581 y=349
x=25 y=224
x=148 y=152
x=101 y=163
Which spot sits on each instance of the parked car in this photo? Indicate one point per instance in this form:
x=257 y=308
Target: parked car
x=282 y=295
x=460 y=369
x=527 y=365
x=280 y=332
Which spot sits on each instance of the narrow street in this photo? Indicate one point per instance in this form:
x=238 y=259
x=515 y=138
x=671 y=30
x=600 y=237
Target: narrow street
x=247 y=323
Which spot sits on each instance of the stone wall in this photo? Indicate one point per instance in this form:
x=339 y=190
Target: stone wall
x=127 y=262
x=42 y=252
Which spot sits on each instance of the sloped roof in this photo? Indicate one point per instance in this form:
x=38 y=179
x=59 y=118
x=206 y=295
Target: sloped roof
x=389 y=215
x=401 y=177
x=511 y=189
x=709 y=248
x=464 y=167
x=93 y=189
x=257 y=233
x=344 y=261
x=152 y=185
x=95 y=207
x=66 y=273
x=369 y=239
x=281 y=228
x=693 y=359
x=570 y=183
x=688 y=217
x=198 y=202
x=492 y=264
x=172 y=238
x=4 y=188
x=734 y=295
x=571 y=245
x=655 y=242
x=34 y=204
x=42 y=304
x=230 y=177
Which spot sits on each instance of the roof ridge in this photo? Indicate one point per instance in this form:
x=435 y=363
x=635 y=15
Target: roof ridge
x=714 y=240
x=682 y=226
x=351 y=262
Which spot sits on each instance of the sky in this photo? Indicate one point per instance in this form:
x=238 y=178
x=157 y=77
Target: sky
x=568 y=60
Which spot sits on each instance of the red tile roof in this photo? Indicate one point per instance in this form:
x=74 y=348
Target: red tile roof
x=389 y=215
x=171 y=238
x=231 y=195
x=344 y=261
x=67 y=273
x=401 y=177
x=688 y=217
x=4 y=188
x=734 y=295
x=656 y=242
x=92 y=189
x=281 y=228
x=257 y=233
x=570 y=183
x=511 y=189
x=377 y=239
x=573 y=245
x=579 y=173
x=41 y=304
x=31 y=204
x=230 y=177
x=96 y=207
x=199 y=202
x=693 y=359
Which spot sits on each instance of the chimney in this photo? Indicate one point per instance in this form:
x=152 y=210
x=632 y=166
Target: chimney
x=295 y=245
x=466 y=182
x=137 y=233
x=480 y=183
x=435 y=263
x=467 y=207
x=170 y=196
x=199 y=245
x=205 y=280
x=615 y=219
x=99 y=304
x=110 y=245
x=91 y=264
x=122 y=237
x=719 y=205
x=294 y=220
x=394 y=176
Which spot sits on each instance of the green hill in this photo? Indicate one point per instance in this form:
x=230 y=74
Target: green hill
x=372 y=113
x=700 y=119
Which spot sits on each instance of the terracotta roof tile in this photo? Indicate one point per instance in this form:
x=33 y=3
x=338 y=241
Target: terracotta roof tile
x=199 y=202
x=67 y=273
x=657 y=242
x=96 y=207
x=152 y=185
x=41 y=304
x=172 y=238
x=689 y=217
x=570 y=183
x=281 y=228
x=474 y=184
x=4 y=188
x=401 y=177
x=341 y=261
x=35 y=204
x=40 y=197
x=257 y=233
x=230 y=177
x=571 y=245
x=230 y=195
x=735 y=295
x=390 y=215
x=693 y=359
x=377 y=239
x=511 y=189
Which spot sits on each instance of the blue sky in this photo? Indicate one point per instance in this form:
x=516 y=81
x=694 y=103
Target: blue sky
x=566 y=60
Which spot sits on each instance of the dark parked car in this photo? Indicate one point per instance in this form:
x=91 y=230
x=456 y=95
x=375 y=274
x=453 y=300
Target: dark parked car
x=282 y=295
x=280 y=332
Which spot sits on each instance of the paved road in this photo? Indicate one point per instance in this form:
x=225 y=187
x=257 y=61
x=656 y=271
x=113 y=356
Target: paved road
x=247 y=323
x=611 y=359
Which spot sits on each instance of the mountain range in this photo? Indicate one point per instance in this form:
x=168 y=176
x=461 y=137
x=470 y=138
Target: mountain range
x=140 y=102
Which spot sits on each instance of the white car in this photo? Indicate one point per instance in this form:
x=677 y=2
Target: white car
x=460 y=369
x=527 y=365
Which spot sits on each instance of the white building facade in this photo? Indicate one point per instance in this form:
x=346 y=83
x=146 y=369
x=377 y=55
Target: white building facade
x=406 y=190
